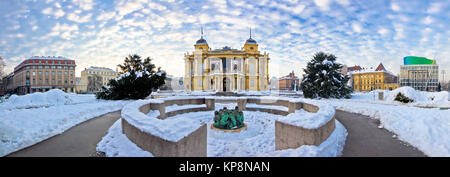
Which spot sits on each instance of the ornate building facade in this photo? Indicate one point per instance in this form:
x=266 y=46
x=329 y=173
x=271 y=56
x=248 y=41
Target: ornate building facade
x=94 y=78
x=226 y=69
x=374 y=79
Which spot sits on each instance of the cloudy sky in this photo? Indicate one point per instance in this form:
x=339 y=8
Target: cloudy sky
x=102 y=33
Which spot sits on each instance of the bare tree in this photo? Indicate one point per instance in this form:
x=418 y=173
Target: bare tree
x=94 y=83
x=2 y=67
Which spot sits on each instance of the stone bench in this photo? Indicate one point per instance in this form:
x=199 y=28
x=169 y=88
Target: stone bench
x=195 y=143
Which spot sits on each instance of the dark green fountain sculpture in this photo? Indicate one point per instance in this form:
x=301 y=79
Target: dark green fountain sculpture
x=228 y=119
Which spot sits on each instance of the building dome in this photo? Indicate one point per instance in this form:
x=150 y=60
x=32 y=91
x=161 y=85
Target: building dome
x=250 y=41
x=201 y=41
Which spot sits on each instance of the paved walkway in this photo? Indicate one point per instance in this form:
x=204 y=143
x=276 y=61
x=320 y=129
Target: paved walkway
x=78 y=141
x=365 y=139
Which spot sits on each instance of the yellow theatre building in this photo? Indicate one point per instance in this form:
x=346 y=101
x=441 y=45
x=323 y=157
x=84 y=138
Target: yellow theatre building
x=226 y=69
x=370 y=79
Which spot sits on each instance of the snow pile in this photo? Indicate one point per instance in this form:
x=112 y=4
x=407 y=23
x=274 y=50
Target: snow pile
x=421 y=98
x=176 y=107
x=181 y=93
x=20 y=128
x=50 y=98
x=442 y=96
x=274 y=107
x=424 y=128
x=170 y=130
x=252 y=92
x=309 y=120
x=409 y=92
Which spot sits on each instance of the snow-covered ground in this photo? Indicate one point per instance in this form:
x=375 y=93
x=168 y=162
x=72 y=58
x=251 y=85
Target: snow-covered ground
x=257 y=140
x=29 y=119
x=421 y=98
x=428 y=129
x=52 y=97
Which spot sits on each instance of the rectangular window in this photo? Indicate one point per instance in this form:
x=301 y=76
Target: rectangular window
x=46 y=73
x=34 y=73
x=252 y=82
x=40 y=73
x=252 y=68
x=53 y=73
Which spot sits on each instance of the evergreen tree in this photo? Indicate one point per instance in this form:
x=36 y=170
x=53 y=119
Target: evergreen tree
x=323 y=79
x=138 y=79
x=439 y=87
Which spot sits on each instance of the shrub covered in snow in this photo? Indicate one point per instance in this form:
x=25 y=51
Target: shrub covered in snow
x=137 y=81
x=323 y=79
x=409 y=92
x=402 y=98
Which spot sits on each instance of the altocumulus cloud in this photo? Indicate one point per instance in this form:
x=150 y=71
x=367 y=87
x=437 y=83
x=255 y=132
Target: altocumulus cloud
x=102 y=33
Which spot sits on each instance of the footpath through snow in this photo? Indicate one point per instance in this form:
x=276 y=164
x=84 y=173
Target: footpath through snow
x=428 y=129
x=29 y=119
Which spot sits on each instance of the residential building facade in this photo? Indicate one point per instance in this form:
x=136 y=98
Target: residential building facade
x=226 y=69
x=419 y=73
x=374 y=79
x=40 y=74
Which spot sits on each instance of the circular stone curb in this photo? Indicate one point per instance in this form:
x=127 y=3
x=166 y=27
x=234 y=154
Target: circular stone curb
x=230 y=131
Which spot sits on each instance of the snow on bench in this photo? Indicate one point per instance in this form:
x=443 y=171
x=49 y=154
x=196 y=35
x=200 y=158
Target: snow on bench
x=176 y=107
x=253 y=105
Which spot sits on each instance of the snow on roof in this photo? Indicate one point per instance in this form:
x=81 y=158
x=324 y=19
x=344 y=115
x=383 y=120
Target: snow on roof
x=50 y=58
x=364 y=71
x=99 y=68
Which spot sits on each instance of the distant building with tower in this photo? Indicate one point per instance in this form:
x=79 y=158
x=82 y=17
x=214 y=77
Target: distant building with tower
x=289 y=82
x=226 y=69
x=419 y=73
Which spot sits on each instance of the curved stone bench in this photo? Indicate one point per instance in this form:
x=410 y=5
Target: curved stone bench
x=288 y=135
x=154 y=134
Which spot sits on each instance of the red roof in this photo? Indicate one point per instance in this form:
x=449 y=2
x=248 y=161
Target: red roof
x=380 y=67
x=354 y=68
